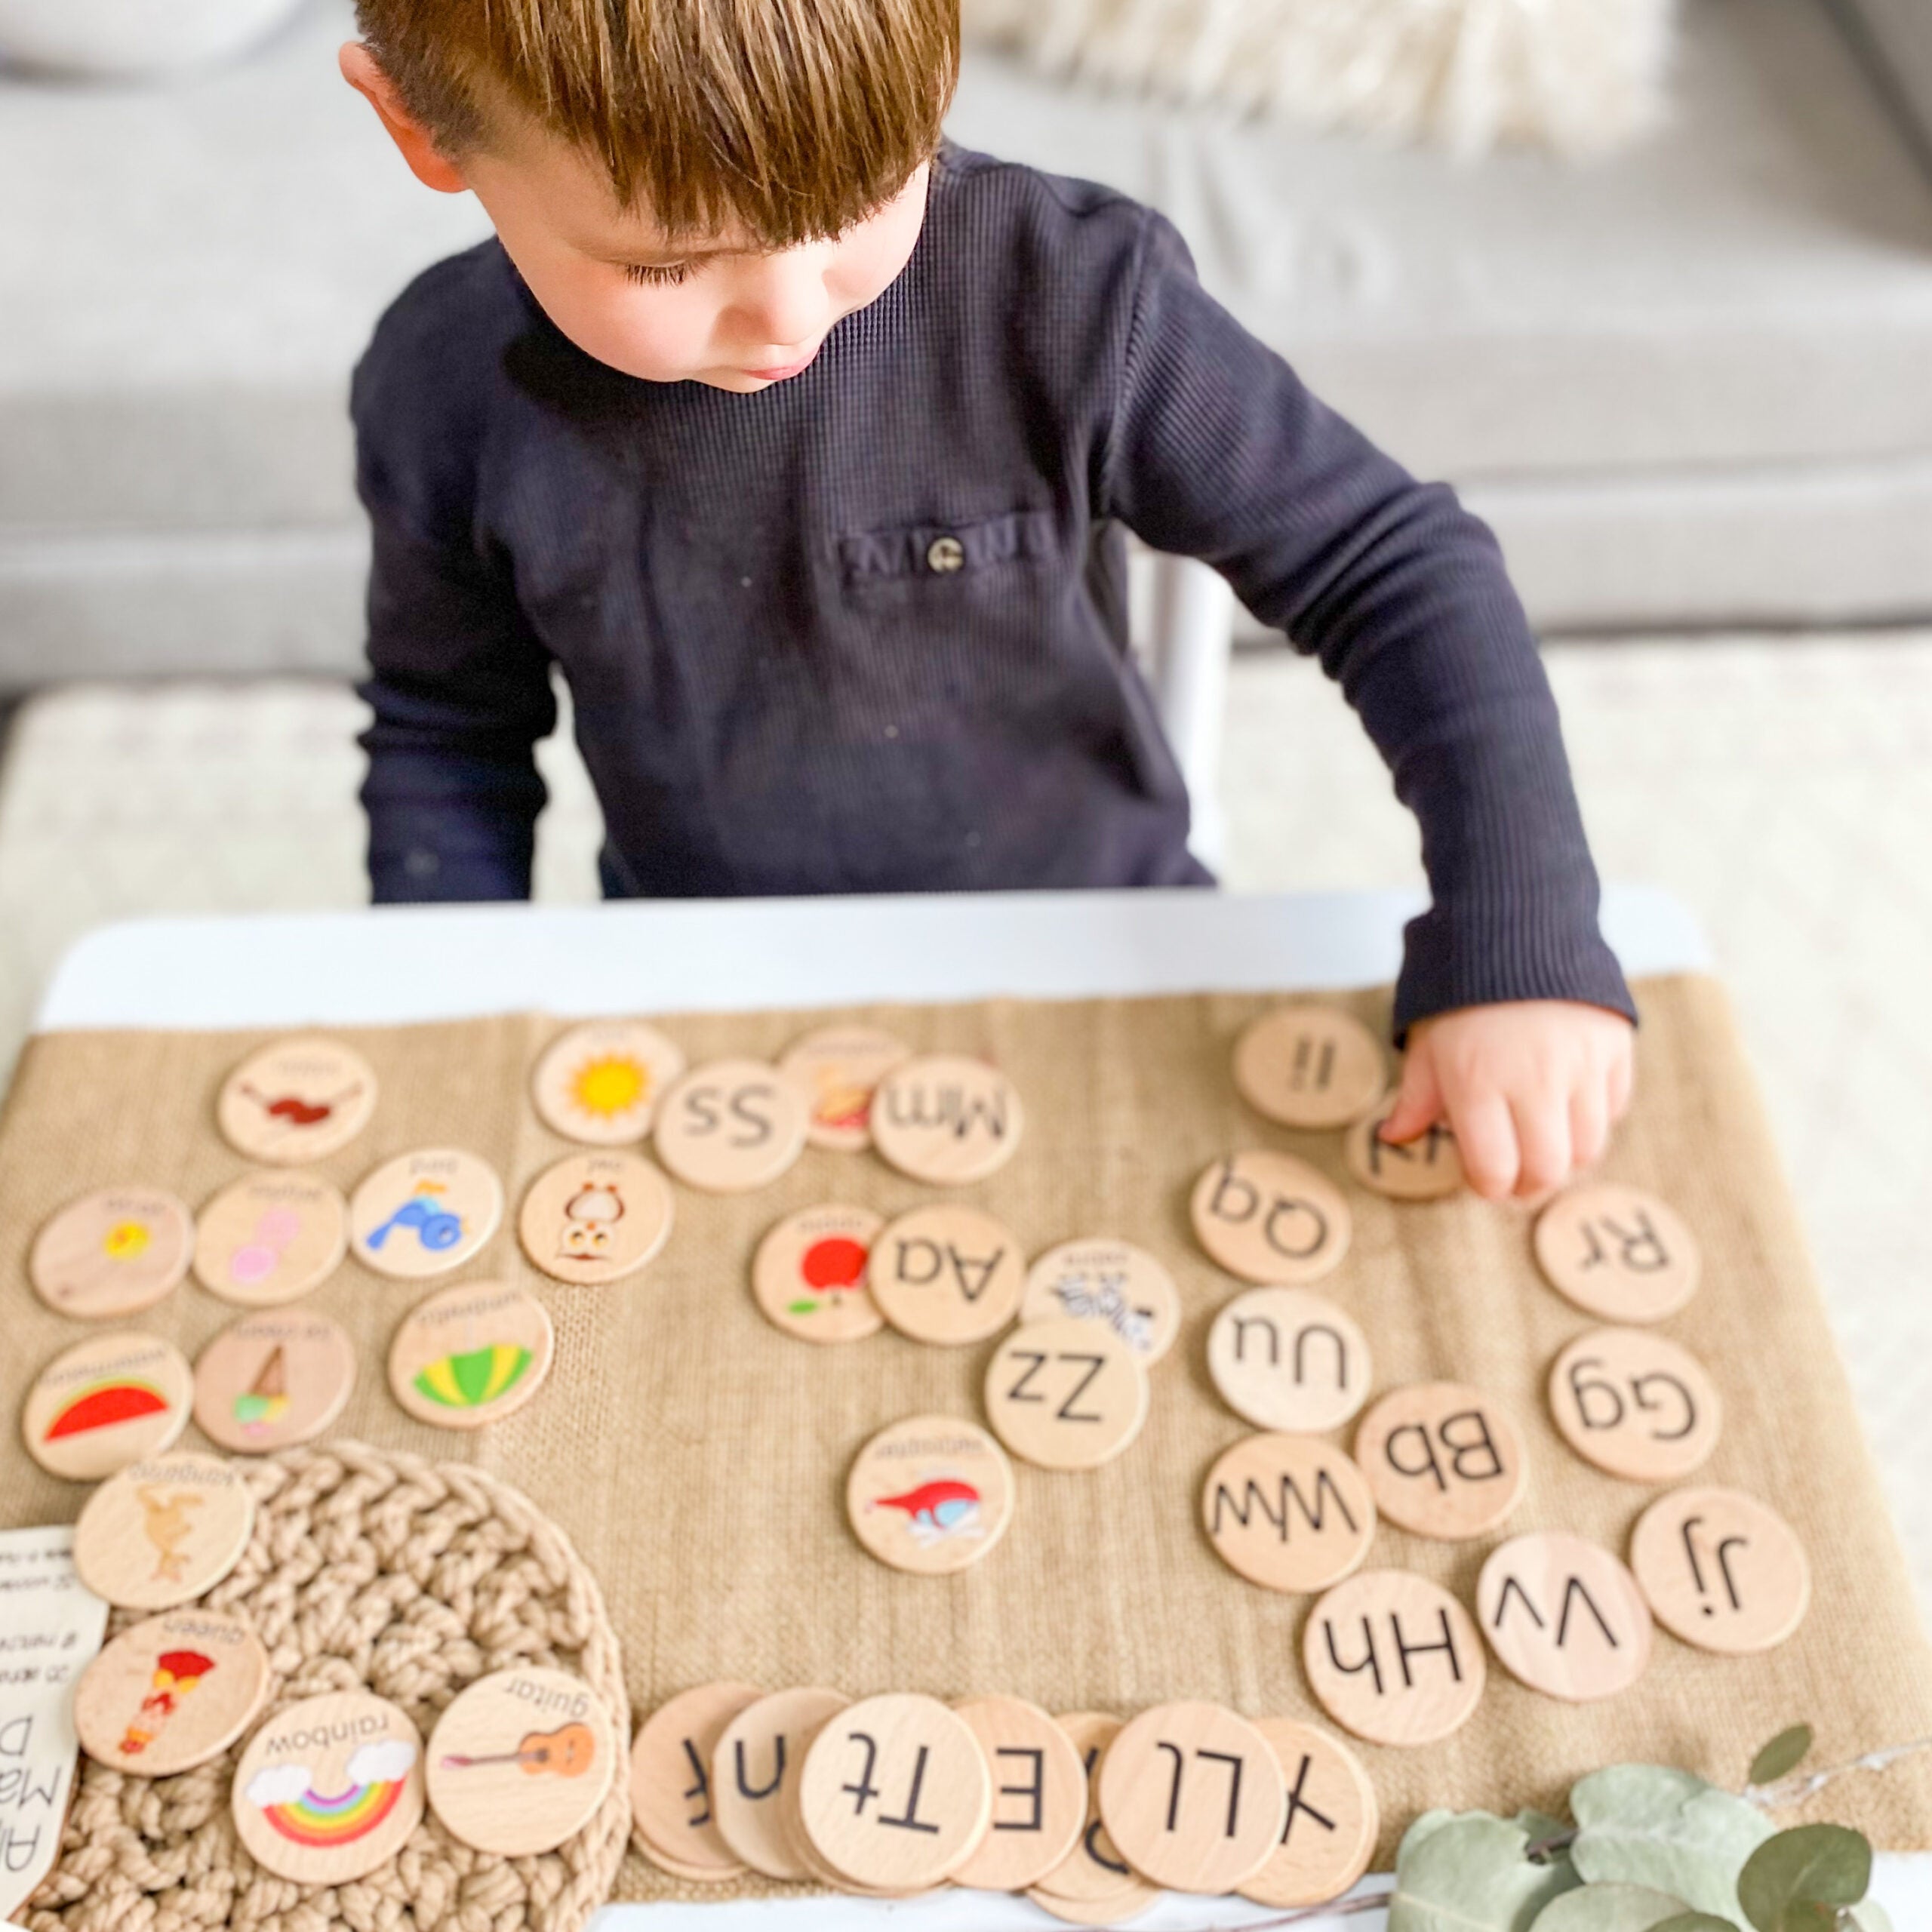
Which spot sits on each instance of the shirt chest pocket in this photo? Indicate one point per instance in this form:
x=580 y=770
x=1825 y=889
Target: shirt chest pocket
x=920 y=560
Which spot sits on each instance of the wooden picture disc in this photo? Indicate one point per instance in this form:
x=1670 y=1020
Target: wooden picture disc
x=1093 y=1884
x=1564 y=1617
x=671 y=1795
x=1394 y=1658
x=105 y=1402
x=1620 y=1255
x=1290 y=1359
x=296 y=1101
x=171 y=1692
x=424 y=1214
x=1108 y=1282
x=1193 y=1797
x=838 y=1068
x=895 y=1792
x=1065 y=1395
x=1289 y=1512
x=111 y=1253
x=930 y=1495
x=1635 y=1403
x=330 y=1788
x=759 y=1752
x=160 y=1533
x=1269 y=1217
x=269 y=1237
x=521 y=1760
x=731 y=1126
x=595 y=1218
x=1039 y=1807
x=1310 y=1066
x=947 y=1274
x=1427 y=1168
x=808 y=1276
x=273 y=1379
x=947 y=1119
x=1721 y=1571
x=598 y=1083
x=1332 y=1821
x=1444 y=1459
x=471 y=1354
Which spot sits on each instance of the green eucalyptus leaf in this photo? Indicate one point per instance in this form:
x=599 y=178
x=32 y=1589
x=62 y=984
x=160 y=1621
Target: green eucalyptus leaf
x=1784 y=1753
x=1542 y=1828
x=1646 y=1825
x=1696 y=1922
x=1466 y=1872
x=1608 y=1908
x=1867 y=1916
x=1808 y=1915
x=1823 y=1865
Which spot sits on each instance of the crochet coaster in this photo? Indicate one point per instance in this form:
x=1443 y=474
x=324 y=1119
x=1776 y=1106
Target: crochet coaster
x=369 y=1569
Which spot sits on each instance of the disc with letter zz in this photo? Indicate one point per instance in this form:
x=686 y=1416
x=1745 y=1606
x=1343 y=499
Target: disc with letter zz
x=1065 y=1395
x=1269 y=1217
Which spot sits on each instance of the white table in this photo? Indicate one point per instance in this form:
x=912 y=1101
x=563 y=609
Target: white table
x=402 y=964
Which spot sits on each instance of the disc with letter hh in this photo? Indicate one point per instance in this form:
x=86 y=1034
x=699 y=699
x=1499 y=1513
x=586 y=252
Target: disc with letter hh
x=329 y=1789
x=296 y=1101
x=424 y=1214
x=521 y=1760
x=1443 y=1460
x=808 y=1275
x=1109 y=1282
x=1721 y=1571
x=598 y=1083
x=947 y=1119
x=1093 y=1884
x=1193 y=1797
x=1308 y=1065
x=930 y=1495
x=1039 y=1806
x=1332 y=1820
x=596 y=1217
x=731 y=1126
x=269 y=1237
x=1429 y=1168
x=947 y=1274
x=1269 y=1217
x=1635 y=1403
x=671 y=1771
x=171 y=1692
x=1065 y=1395
x=1619 y=1253
x=1394 y=1658
x=838 y=1068
x=471 y=1354
x=163 y=1532
x=105 y=1402
x=1564 y=1617
x=273 y=1379
x=1289 y=1512
x=1289 y=1358
x=758 y=1753
x=111 y=1253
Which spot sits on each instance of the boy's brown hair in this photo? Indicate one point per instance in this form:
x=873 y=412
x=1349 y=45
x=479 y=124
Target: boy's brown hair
x=789 y=119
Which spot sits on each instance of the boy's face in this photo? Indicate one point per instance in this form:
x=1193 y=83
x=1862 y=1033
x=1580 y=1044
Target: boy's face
x=719 y=312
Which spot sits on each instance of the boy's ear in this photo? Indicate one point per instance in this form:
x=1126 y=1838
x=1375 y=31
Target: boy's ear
x=418 y=146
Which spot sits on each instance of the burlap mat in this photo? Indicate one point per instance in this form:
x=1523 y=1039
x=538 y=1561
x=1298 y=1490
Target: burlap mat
x=696 y=1456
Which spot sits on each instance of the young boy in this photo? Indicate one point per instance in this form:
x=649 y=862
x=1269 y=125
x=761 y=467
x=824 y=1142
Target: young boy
x=803 y=443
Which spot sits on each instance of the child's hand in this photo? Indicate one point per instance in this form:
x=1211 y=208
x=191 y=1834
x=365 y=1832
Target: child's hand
x=1530 y=1089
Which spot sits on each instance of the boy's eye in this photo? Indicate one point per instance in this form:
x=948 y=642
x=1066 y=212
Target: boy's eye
x=657 y=274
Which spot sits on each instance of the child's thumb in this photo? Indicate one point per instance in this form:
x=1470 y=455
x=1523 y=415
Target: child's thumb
x=1419 y=1103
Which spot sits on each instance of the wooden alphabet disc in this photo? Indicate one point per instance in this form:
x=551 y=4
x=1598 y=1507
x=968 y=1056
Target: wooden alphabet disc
x=521 y=1760
x=947 y=1274
x=896 y=1792
x=330 y=1788
x=731 y=1126
x=947 y=1119
x=269 y=1237
x=1443 y=1459
x=1289 y=1358
x=838 y=1069
x=471 y=1354
x=162 y=1532
x=270 y=1380
x=598 y=1083
x=111 y=1253
x=808 y=1276
x=1307 y=1066
x=1039 y=1807
x=1109 y=1282
x=105 y=1401
x=1721 y=1570
x=1635 y=1403
x=171 y=1692
x=424 y=1214
x=930 y=1495
x=1332 y=1821
x=296 y=1101
x=1065 y=1395
x=1269 y=1217
x=1427 y=1168
x=1193 y=1797
x=791 y=1821
x=1394 y=1658
x=1093 y=1884
x=1619 y=1253
x=595 y=1218
x=1289 y=1512
x=671 y=1796
x=759 y=1752
x=1564 y=1617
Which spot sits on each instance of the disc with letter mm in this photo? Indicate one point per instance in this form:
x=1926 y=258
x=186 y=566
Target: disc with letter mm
x=947 y=1119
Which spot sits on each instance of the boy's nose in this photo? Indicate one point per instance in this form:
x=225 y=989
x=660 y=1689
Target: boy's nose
x=783 y=305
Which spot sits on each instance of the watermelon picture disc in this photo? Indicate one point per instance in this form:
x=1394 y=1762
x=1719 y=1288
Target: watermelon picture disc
x=106 y=1402
x=470 y=1354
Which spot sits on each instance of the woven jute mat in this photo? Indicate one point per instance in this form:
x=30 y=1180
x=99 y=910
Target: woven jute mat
x=697 y=1457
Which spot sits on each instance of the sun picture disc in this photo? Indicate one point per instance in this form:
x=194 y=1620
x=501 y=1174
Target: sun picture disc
x=424 y=1213
x=598 y=1083
x=471 y=1354
x=1100 y=1279
x=595 y=1218
x=273 y=1379
x=930 y=1495
x=270 y=1237
x=106 y=1402
x=296 y=1101
x=838 y=1068
x=164 y=1530
x=1270 y=1218
x=1310 y=1066
x=731 y=1126
x=171 y=1692
x=808 y=1275
x=112 y=1254
x=947 y=1119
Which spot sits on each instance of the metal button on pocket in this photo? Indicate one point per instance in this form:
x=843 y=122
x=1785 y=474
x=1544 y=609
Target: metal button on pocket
x=945 y=555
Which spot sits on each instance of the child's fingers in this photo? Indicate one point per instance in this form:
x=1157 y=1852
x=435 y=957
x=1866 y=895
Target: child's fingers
x=1419 y=1103
x=1542 y=1137
x=1623 y=1078
x=1486 y=1139
x=1589 y=1122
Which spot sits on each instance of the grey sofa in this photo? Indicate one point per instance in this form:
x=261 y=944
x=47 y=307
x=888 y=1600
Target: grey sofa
x=1691 y=385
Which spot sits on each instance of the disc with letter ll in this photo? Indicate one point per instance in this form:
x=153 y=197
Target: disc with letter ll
x=1429 y=1168
x=296 y=1101
x=1289 y=1512
x=1065 y=1395
x=731 y=1126
x=105 y=1402
x=946 y=1274
x=471 y=1354
x=670 y=1794
x=1093 y=1884
x=598 y=1083
x=947 y=1119
x=163 y=1532
x=1268 y=1217
x=930 y=1495
x=424 y=1213
x=1332 y=1820
x=1564 y=1617
x=1721 y=1569
x=1039 y=1805
x=757 y=1753
x=838 y=1068
x=171 y=1692
x=270 y=1237
x=1635 y=1403
x=1443 y=1459
x=1109 y=1282
x=1394 y=1658
x=595 y=1217
x=273 y=1378
x=808 y=1275
x=111 y=1253
x=1307 y=1066
x=1289 y=1358
x=1619 y=1253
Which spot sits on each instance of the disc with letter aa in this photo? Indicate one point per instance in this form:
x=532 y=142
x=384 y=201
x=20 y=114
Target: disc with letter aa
x=947 y=1274
x=1268 y=1217
x=105 y=1402
x=1289 y=1358
x=296 y=1101
x=598 y=1083
x=171 y=1692
x=163 y=1532
x=947 y=1119
x=111 y=1253
x=1564 y=1617
x=1309 y=1066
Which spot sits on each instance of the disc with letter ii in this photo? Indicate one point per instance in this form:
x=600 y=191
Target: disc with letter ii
x=1307 y=1066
